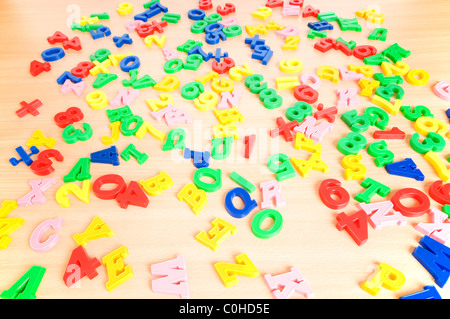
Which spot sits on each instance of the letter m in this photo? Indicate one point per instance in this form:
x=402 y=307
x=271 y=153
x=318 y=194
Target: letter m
x=315 y=132
x=435 y=257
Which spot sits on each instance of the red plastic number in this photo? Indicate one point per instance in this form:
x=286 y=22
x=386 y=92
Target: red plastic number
x=364 y=51
x=355 y=225
x=249 y=142
x=325 y=44
x=205 y=4
x=274 y=3
x=80 y=265
x=224 y=66
x=43 y=165
x=37 y=67
x=72 y=115
x=343 y=48
x=227 y=9
x=329 y=189
x=306 y=94
x=440 y=192
x=73 y=43
x=109 y=193
x=82 y=69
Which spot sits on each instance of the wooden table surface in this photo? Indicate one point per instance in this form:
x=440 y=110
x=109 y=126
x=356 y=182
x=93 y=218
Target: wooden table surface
x=332 y=264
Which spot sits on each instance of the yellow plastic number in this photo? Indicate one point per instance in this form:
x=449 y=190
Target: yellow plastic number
x=293 y=65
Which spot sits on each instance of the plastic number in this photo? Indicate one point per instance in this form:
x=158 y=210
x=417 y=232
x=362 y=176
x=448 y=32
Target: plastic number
x=224 y=66
x=253 y=83
x=299 y=111
x=227 y=9
x=306 y=94
x=440 y=192
x=433 y=142
x=193 y=62
x=351 y=144
x=82 y=69
x=192 y=90
x=43 y=165
x=357 y=123
x=72 y=115
x=270 y=98
x=72 y=135
x=329 y=189
x=377 y=116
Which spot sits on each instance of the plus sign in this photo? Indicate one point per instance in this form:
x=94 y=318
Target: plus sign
x=29 y=108
x=284 y=129
x=254 y=41
x=158 y=26
x=100 y=67
x=120 y=41
x=329 y=113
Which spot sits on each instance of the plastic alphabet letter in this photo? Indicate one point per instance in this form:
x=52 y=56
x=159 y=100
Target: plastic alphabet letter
x=381 y=214
x=173 y=277
x=26 y=286
x=96 y=229
x=271 y=193
x=227 y=271
x=36 y=242
x=194 y=197
x=387 y=277
x=219 y=232
x=118 y=272
x=290 y=282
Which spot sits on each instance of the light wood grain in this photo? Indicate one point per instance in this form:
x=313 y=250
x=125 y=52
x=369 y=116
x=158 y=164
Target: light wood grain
x=330 y=261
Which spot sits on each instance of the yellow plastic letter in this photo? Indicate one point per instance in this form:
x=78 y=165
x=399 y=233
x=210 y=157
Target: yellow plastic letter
x=96 y=229
x=194 y=197
x=155 y=185
x=354 y=169
x=220 y=231
x=118 y=272
x=387 y=277
x=244 y=267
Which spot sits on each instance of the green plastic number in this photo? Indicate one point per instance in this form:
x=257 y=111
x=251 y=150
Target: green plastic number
x=233 y=30
x=253 y=82
x=199 y=26
x=100 y=55
x=388 y=91
x=357 y=123
x=192 y=90
x=173 y=66
x=433 y=142
x=299 y=111
x=270 y=98
x=351 y=144
x=377 y=116
x=213 y=18
x=71 y=135
x=193 y=62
